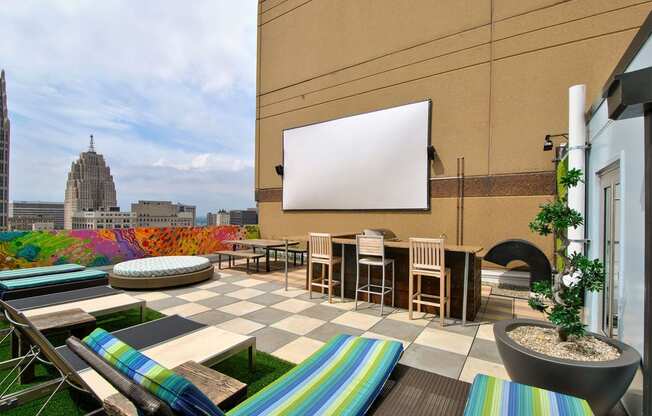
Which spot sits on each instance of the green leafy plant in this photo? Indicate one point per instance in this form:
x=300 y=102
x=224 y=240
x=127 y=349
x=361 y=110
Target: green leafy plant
x=561 y=298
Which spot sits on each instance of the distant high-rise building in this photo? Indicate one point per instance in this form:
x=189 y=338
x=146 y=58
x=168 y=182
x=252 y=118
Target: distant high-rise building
x=4 y=153
x=188 y=211
x=243 y=216
x=163 y=214
x=22 y=214
x=220 y=217
x=90 y=186
x=103 y=219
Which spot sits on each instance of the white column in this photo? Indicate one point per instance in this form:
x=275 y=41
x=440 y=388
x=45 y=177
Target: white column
x=577 y=135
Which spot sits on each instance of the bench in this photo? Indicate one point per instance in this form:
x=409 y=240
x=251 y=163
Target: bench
x=232 y=255
x=295 y=251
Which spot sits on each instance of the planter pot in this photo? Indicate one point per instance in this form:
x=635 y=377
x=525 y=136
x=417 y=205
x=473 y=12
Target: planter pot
x=601 y=383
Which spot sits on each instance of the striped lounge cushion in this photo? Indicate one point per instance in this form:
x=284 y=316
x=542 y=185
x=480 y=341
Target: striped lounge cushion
x=39 y=271
x=51 y=279
x=179 y=393
x=342 y=378
x=492 y=396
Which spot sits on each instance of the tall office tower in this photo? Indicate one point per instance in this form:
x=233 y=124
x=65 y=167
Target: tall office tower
x=4 y=153
x=90 y=186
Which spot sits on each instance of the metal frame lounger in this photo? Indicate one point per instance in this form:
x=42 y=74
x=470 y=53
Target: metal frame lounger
x=95 y=300
x=44 y=284
x=171 y=341
x=39 y=271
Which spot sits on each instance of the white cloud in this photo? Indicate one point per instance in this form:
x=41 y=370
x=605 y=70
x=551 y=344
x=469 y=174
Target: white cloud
x=167 y=87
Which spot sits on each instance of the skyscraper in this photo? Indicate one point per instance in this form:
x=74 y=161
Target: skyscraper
x=90 y=185
x=4 y=153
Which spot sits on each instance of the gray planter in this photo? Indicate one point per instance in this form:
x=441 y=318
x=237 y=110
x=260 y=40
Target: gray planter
x=602 y=384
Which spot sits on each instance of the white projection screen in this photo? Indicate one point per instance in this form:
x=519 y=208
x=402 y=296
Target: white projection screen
x=371 y=161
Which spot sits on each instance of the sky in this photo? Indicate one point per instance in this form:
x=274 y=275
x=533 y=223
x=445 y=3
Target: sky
x=166 y=87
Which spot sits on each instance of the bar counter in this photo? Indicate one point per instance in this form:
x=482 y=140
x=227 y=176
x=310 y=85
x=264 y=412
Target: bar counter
x=459 y=259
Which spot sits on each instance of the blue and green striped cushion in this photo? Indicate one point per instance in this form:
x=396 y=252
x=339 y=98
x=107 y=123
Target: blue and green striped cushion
x=39 y=271
x=492 y=396
x=342 y=378
x=50 y=279
x=180 y=394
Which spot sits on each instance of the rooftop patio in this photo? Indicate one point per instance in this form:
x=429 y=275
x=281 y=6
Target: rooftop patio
x=291 y=326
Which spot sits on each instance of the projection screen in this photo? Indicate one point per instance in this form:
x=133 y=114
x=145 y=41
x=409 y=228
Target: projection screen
x=371 y=161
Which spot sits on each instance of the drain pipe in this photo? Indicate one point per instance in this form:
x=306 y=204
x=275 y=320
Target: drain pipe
x=577 y=134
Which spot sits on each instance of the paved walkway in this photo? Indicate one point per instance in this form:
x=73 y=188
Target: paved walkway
x=291 y=326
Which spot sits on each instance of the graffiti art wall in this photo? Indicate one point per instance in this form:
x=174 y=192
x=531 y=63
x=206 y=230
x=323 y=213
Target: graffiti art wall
x=20 y=249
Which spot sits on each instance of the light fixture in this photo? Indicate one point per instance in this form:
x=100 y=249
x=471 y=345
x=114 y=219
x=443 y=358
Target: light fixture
x=547 y=141
x=431 y=152
x=279 y=170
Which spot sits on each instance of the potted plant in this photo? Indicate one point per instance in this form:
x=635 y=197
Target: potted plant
x=559 y=355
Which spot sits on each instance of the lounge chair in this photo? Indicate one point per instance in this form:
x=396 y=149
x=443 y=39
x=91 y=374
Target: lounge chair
x=171 y=341
x=347 y=375
x=39 y=271
x=342 y=378
x=17 y=288
x=95 y=300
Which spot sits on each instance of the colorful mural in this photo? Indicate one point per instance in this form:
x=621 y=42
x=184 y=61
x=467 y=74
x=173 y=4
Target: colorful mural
x=20 y=249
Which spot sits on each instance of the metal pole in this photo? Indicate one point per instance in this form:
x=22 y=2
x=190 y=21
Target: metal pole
x=342 y=275
x=286 y=264
x=466 y=286
x=647 y=323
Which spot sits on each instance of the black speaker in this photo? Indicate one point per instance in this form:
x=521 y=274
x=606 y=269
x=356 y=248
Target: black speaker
x=279 y=170
x=431 y=152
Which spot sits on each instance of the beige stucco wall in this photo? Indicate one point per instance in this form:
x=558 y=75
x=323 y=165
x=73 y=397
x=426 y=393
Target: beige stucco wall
x=496 y=71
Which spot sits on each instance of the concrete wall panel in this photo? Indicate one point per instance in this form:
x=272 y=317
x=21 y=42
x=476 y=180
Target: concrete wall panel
x=530 y=97
x=323 y=36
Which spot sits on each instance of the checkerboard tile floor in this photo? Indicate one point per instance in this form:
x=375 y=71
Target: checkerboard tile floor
x=291 y=325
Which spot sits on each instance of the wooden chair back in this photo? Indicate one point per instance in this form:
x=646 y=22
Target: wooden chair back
x=321 y=246
x=370 y=245
x=427 y=254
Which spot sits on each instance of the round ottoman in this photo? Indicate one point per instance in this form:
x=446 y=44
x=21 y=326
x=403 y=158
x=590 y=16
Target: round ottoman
x=160 y=272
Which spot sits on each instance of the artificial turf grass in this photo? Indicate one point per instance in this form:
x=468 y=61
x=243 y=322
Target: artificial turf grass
x=268 y=368
x=68 y=403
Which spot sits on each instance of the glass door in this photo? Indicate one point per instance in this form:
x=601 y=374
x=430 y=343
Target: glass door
x=610 y=240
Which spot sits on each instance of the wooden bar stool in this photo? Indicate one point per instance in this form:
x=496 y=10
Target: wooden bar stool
x=427 y=259
x=321 y=252
x=372 y=248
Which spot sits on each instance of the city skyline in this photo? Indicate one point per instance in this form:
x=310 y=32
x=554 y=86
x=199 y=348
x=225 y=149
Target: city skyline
x=169 y=101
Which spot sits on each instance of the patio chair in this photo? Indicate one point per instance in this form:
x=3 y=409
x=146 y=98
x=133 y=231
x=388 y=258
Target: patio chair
x=171 y=341
x=427 y=259
x=21 y=287
x=321 y=252
x=370 y=251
